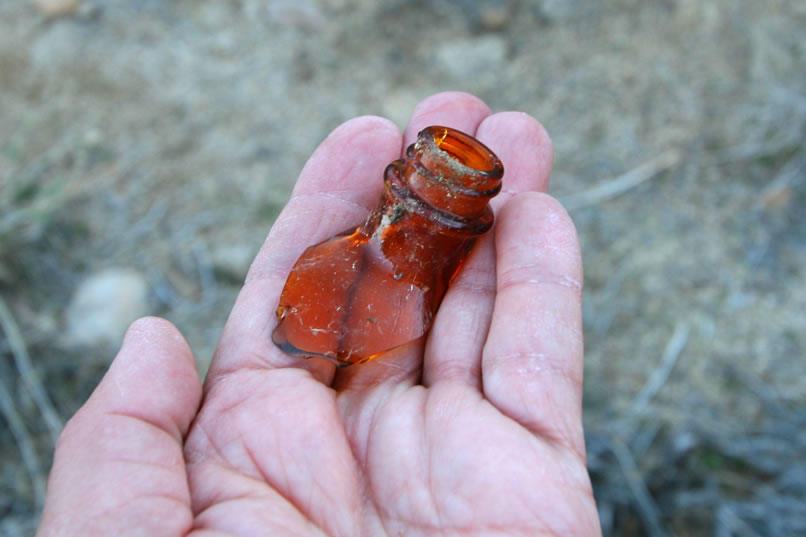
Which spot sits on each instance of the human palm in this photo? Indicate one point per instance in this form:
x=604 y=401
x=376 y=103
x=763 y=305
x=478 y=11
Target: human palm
x=474 y=431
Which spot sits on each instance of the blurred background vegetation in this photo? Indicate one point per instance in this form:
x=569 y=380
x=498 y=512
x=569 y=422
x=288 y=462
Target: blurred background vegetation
x=146 y=146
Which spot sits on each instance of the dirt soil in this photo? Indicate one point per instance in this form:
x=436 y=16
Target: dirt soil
x=163 y=138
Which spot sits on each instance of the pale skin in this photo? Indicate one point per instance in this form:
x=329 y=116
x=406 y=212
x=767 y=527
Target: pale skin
x=474 y=431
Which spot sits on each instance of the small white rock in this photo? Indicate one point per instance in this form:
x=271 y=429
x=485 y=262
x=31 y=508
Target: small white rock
x=104 y=305
x=232 y=261
x=494 y=16
x=467 y=58
x=563 y=10
x=57 y=8
x=300 y=13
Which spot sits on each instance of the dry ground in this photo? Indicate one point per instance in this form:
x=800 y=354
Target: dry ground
x=165 y=136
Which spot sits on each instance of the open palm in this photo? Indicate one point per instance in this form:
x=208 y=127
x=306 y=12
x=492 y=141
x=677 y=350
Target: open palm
x=474 y=431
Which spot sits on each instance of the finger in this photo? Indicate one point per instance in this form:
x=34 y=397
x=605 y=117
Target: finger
x=118 y=467
x=525 y=149
x=532 y=361
x=455 y=109
x=339 y=185
x=460 y=111
x=453 y=353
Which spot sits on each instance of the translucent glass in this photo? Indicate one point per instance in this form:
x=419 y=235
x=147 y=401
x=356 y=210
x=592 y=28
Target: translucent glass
x=376 y=287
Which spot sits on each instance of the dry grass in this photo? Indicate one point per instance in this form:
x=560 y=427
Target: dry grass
x=678 y=127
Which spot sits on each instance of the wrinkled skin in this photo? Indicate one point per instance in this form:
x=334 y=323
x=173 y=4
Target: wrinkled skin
x=475 y=431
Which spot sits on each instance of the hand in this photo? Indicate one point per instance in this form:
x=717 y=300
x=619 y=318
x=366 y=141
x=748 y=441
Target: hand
x=476 y=431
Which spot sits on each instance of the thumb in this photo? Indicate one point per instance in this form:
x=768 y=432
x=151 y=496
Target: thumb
x=118 y=468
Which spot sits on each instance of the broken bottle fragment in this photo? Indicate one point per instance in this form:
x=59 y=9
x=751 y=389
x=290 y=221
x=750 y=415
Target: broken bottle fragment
x=378 y=286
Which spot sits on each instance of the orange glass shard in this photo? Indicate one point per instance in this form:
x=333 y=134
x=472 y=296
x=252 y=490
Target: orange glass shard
x=378 y=286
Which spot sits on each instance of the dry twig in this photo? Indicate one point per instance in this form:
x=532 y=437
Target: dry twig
x=26 y=370
x=729 y=525
x=614 y=187
x=660 y=375
x=24 y=443
x=647 y=508
x=10 y=527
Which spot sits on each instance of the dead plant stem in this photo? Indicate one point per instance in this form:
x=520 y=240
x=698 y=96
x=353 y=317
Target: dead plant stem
x=29 y=377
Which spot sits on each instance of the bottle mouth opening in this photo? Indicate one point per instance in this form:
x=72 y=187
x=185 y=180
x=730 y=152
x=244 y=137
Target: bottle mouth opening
x=466 y=150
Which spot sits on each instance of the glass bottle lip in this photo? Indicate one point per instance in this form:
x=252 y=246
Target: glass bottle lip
x=465 y=152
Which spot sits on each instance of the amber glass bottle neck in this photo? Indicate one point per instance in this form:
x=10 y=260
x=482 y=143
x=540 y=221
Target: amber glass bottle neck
x=450 y=171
